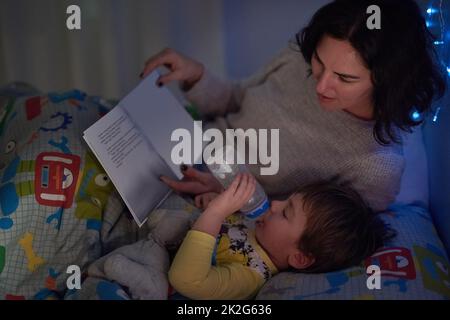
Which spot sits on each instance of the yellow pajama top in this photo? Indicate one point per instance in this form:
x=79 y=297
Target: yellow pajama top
x=233 y=266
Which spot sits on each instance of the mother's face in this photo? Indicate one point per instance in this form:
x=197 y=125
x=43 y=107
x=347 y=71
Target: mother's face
x=343 y=81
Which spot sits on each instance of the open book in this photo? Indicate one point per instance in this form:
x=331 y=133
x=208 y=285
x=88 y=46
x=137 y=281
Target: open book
x=133 y=144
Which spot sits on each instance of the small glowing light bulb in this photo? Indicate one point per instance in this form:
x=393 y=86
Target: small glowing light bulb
x=415 y=116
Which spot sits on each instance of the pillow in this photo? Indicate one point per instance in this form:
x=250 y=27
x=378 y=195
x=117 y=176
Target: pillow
x=414 y=265
x=414 y=183
x=438 y=151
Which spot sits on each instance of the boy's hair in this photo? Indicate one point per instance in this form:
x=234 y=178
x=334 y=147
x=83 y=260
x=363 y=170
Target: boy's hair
x=341 y=229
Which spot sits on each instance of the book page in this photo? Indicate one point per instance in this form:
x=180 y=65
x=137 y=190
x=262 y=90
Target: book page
x=131 y=163
x=158 y=114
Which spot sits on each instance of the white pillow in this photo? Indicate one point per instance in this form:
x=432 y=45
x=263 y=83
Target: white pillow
x=414 y=184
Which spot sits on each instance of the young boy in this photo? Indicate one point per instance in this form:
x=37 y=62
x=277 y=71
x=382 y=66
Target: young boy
x=320 y=228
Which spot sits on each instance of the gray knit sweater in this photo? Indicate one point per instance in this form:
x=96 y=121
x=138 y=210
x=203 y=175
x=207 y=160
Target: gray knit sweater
x=314 y=144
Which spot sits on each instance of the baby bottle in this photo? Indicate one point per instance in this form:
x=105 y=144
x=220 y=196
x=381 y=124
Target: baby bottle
x=226 y=169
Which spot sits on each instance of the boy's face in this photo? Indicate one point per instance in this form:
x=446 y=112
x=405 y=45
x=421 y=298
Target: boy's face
x=280 y=229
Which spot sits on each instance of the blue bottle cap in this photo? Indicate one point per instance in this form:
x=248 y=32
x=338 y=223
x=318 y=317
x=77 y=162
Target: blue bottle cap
x=259 y=210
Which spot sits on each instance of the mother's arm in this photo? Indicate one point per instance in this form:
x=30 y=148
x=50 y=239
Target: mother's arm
x=377 y=178
x=213 y=96
x=216 y=97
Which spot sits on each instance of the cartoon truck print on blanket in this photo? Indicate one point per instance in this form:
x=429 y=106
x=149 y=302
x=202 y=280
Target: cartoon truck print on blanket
x=54 y=185
x=58 y=183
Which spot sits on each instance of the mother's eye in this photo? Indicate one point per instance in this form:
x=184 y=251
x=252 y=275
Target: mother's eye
x=345 y=80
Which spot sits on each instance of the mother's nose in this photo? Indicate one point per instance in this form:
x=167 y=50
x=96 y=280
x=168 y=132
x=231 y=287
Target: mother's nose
x=324 y=83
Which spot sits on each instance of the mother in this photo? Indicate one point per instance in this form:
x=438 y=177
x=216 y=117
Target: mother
x=339 y=96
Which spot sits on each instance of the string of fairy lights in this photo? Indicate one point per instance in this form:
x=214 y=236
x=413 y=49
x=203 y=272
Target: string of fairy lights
x=436 y=15
x=435 y=19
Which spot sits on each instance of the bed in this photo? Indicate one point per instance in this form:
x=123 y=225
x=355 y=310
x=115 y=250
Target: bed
x=58 y=210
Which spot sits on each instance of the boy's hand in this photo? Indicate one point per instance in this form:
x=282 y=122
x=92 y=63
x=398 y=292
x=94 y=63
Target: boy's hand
x=234 y=197
x=225 y=204
x=202 y=200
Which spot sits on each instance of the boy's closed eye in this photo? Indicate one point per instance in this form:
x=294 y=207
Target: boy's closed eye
x=287 y=210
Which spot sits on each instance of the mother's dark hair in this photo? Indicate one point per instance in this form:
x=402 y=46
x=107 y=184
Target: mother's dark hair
x=400 y=56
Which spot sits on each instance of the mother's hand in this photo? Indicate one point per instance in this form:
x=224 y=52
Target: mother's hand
x=194 y=182
x=182 y=68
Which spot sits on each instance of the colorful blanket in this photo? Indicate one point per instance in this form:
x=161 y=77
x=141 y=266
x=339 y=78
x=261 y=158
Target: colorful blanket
x=58 y=209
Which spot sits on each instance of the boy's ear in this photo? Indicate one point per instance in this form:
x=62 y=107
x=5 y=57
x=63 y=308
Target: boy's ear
x=298 y=260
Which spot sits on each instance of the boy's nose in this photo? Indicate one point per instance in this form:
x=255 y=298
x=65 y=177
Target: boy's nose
x=275 y=204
